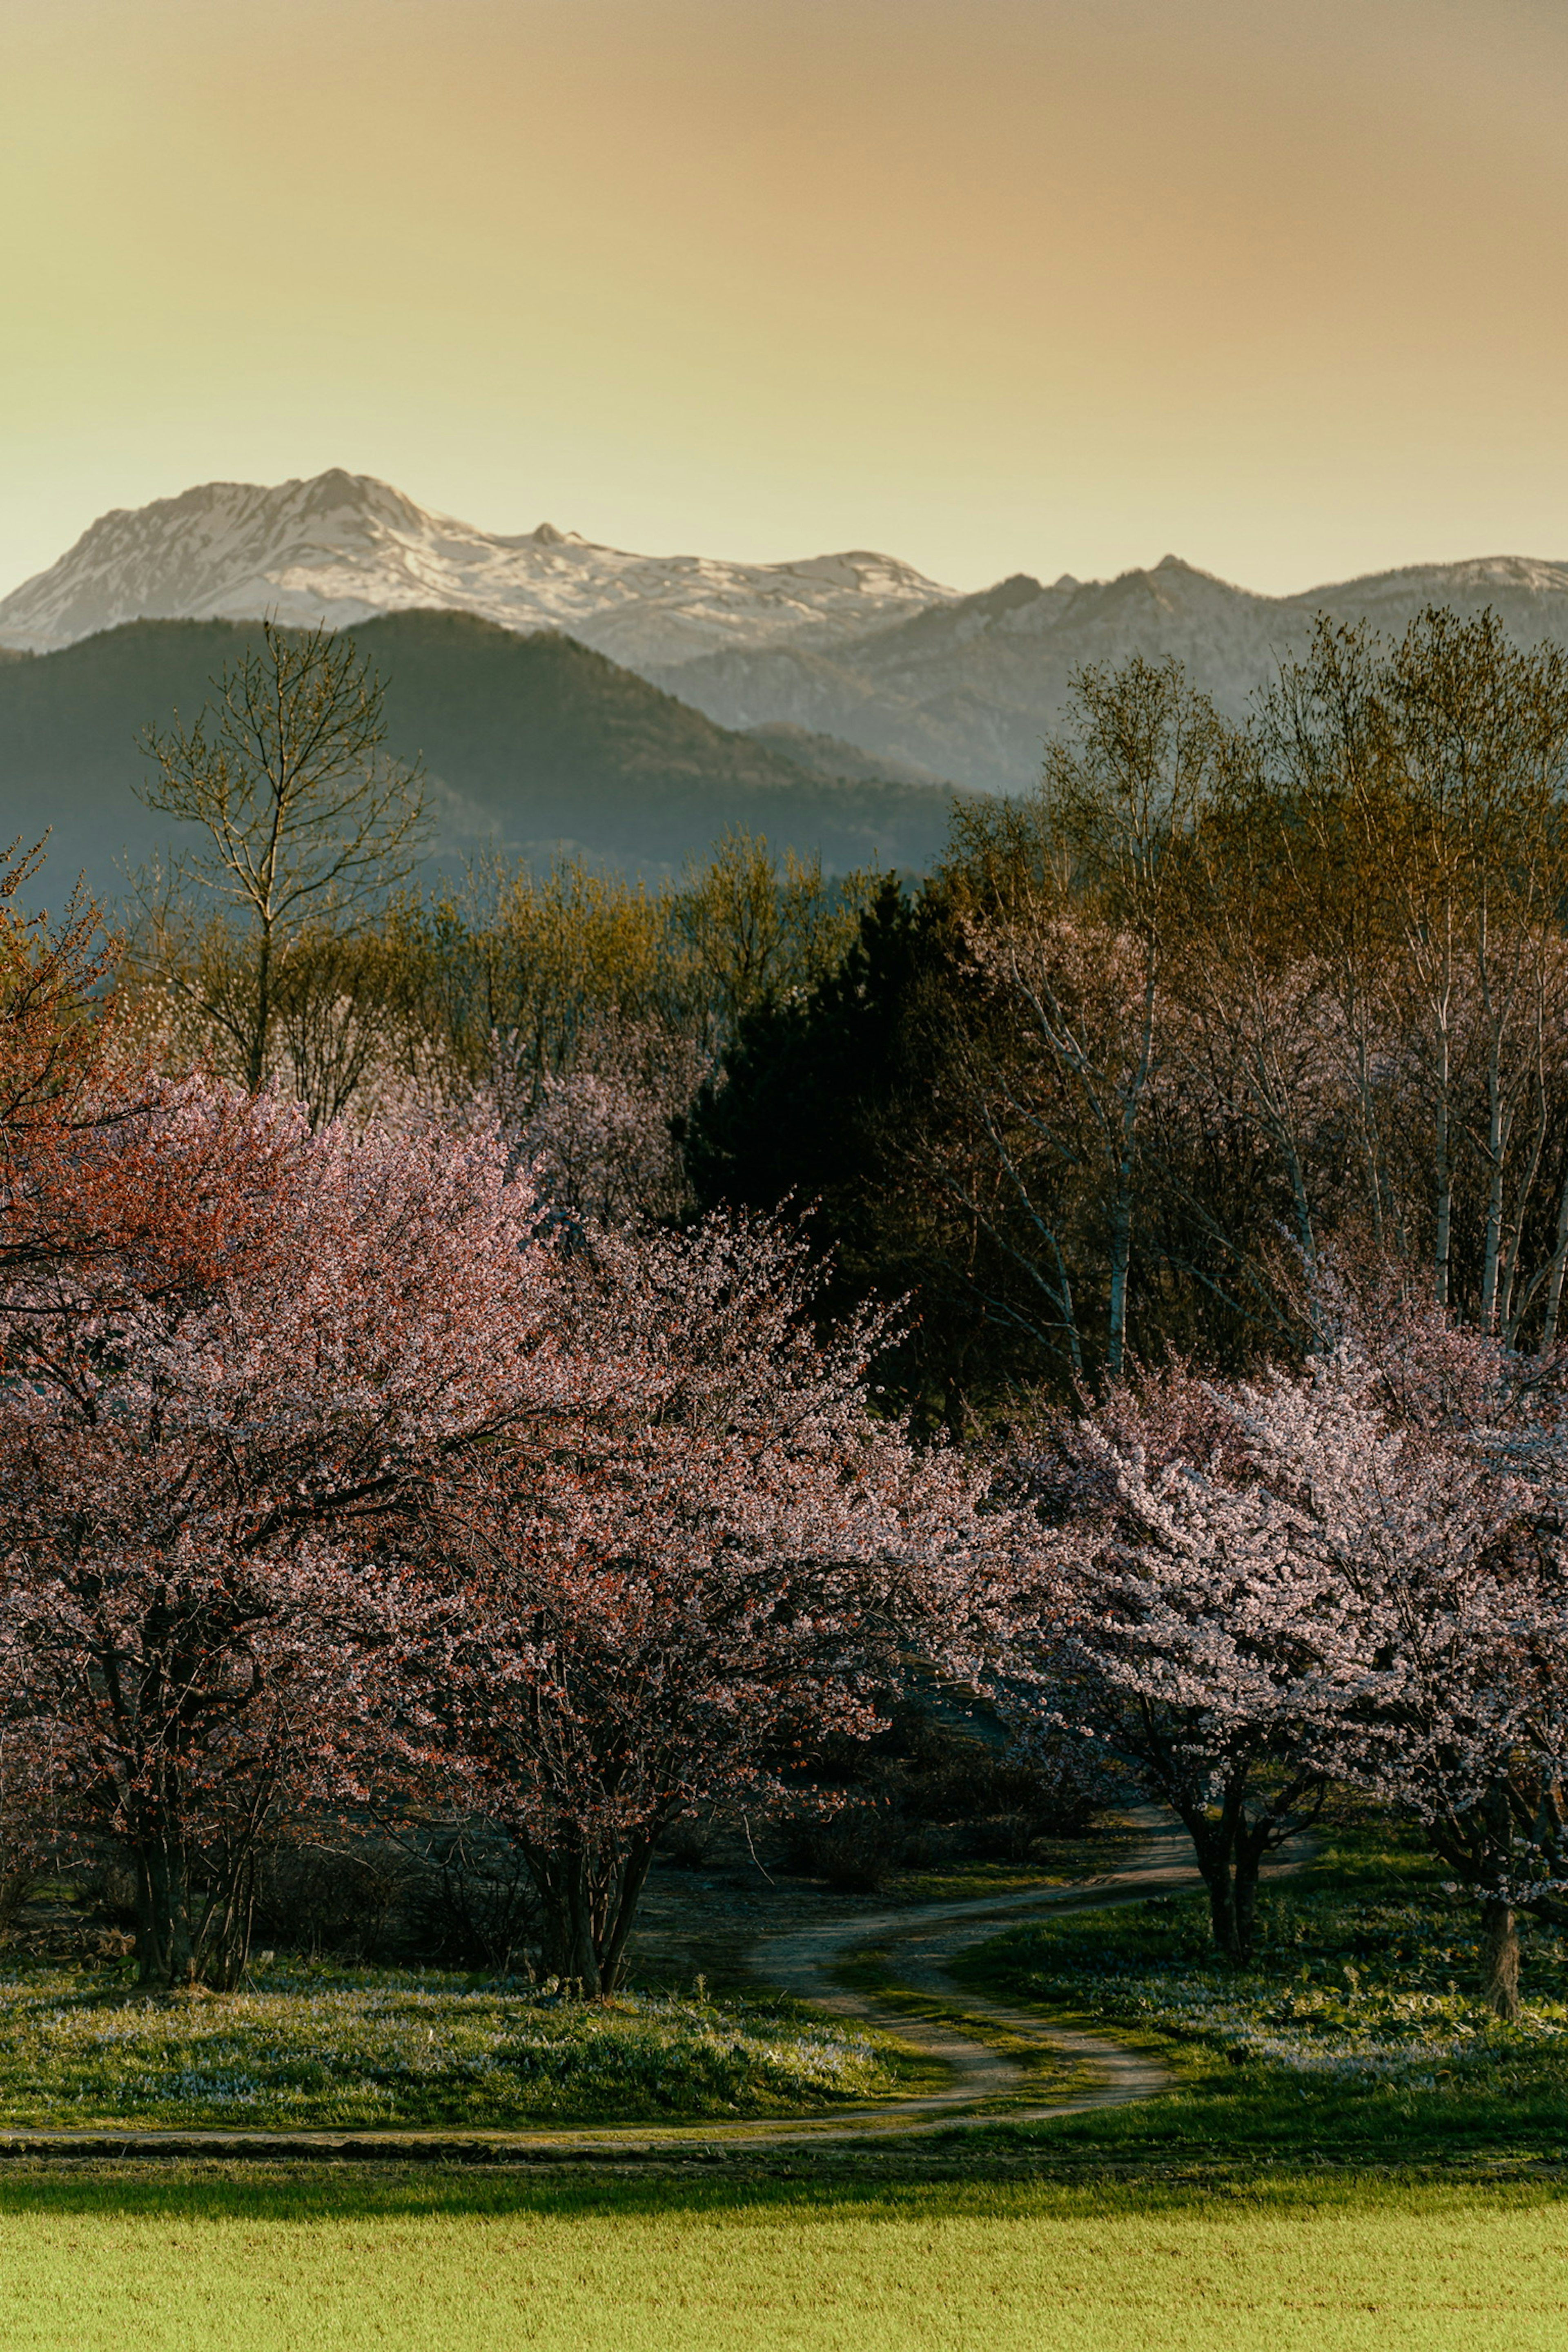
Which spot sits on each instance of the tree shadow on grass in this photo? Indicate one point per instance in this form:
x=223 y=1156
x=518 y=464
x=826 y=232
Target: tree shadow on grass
x=1007 y=2176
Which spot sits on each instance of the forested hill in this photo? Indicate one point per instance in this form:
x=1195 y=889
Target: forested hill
x=532 y=744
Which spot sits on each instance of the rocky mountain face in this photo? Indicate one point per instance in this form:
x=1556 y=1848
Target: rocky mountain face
x=344 y=547
x=970 y=690
x=925 y=684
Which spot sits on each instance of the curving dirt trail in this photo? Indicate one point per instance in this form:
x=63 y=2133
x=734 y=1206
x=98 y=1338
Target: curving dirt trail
x=985 y=2084
x=921 y=1943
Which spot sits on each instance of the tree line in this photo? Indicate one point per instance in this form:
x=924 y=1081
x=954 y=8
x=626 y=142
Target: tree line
x=1121 y=1276
x=1214 y=1000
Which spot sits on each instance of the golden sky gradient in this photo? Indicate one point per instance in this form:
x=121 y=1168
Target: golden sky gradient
x=1043 y=285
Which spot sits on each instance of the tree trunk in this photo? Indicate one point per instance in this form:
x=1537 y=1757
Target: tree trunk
x=633 y=1877
x=165 y=1948
x=1231 y=1880
x=1558 y=1261
x=1214 y=1848
x=224 y=1946
x=569 y=1951
x=1491 y=1261
x=255 y=1057
x=1500 y=1950
x=1222 y=1909
x=1126 y=1164
x=1244 y=1896
x=588 y=1905
x=1443 y=1214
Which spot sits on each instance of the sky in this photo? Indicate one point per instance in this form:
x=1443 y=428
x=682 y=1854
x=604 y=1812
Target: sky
x=991 y=285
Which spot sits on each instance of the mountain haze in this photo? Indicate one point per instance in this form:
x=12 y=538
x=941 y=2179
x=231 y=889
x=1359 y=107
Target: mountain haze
x=972 y=688
x=533 y=745
x=846 y=667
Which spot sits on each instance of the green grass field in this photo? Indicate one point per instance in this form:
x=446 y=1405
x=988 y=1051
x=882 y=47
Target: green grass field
x=1358 y=2033
x=316 y=2047
x=1355 y=2159
x=336 y=2263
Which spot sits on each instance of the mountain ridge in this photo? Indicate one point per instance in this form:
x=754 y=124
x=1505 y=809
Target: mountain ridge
x=340 y=547
x=534 y=746
x=972 y=690
x=920 y=682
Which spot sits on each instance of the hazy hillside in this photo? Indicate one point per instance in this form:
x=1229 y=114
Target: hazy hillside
x=970 y=690
x=850 y=667
x=531 y=743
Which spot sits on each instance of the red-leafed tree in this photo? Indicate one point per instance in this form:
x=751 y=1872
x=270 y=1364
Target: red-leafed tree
x=220 y=1403
x=713 y=1555
x=52 y=1031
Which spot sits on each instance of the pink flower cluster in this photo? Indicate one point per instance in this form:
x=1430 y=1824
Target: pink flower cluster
x=327 y=1484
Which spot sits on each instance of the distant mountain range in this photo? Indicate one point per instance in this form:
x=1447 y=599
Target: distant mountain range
x=970 y=688
x=834 y=701
x=534 y=746
x=345 y=547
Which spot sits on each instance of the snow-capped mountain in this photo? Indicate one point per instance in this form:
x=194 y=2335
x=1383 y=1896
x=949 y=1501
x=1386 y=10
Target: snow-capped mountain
x=345 y=546
x=923 y=681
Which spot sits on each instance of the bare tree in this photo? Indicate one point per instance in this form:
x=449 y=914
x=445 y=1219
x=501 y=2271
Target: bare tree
x=1086 y=888
x=307 y=820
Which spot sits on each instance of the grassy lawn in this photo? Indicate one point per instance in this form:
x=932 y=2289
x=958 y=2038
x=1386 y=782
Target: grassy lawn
x=1357 y=2034
x=334 y=2263
x=316 y=2046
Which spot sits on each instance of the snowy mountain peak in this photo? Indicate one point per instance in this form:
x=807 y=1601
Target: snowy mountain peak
x=344 y=546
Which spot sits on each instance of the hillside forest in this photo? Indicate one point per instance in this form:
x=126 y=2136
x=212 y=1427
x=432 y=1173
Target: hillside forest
x=518 y=1365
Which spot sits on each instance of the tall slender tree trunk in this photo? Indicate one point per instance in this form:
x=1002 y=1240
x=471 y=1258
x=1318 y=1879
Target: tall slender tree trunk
x=1559 y=1262
x=1443 y=1199
x=256 y=1060
x=1497 y=1138
x=1126 y=1163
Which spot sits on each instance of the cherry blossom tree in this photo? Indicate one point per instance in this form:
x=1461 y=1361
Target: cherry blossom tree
x=219 y=1407
x=1433 y=1460
x=600 y=1135
x=1195 y=1637
x=1355 y=1571
x=714 y=1556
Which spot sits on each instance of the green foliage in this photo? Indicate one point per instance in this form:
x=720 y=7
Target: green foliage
x=513 y=979
x=1212 y=998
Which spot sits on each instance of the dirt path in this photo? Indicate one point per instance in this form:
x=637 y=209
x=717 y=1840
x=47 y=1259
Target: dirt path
x=920 y=1945
x=985 y=2084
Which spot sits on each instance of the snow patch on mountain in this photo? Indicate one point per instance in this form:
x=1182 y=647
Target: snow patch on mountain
x=344 y=546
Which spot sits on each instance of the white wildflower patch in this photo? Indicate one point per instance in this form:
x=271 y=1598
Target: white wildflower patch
x=335 y=2048
x=1372 y=1992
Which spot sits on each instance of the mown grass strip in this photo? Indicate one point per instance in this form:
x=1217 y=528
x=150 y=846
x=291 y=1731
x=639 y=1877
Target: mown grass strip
x=323 y=2263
